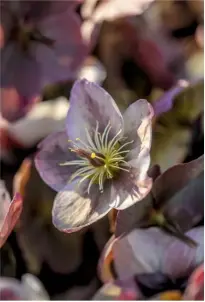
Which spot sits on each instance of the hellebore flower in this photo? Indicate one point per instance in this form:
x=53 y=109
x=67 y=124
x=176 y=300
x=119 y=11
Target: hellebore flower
x=43 y=45
x=152 y=256
x=100 y=162
x=175 y=205
x=129 y=289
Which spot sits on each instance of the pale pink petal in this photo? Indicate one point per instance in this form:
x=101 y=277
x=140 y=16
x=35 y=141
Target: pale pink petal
x=138 y=127
x=90 y=104
x=138 y=123
x=10 y=212
x=54 y=150
x=140 y=162
x=140 y=252
x=179 y=259
x=152 y=250
x=11 y=218
x=129 y=189
x=74 y=208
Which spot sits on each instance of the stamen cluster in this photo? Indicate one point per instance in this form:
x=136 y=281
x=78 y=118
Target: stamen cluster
x=101 y=158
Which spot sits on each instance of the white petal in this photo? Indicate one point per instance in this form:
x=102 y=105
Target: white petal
x=89 y=104
x=74 y=209
x=179 y=259
x=137 y=123
x=140 y=252
x=129 y=189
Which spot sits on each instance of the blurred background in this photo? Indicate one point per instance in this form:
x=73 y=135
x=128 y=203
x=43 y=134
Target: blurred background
x=134 y=49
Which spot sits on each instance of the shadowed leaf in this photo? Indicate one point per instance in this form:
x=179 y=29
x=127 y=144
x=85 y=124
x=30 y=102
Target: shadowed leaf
x=177 y=193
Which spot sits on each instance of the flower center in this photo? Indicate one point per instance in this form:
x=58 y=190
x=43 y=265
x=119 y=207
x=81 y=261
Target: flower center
x=100 y=158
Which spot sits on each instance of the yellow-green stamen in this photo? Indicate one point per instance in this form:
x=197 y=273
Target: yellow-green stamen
x=100 y=158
